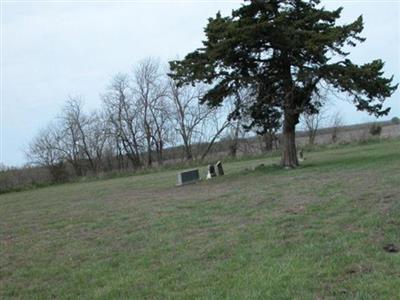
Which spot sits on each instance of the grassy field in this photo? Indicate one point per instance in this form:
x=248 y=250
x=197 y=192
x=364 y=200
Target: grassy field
x=317 y=232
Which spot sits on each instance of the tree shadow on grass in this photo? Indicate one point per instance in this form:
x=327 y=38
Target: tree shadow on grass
x=353 y=161
x=262 y=169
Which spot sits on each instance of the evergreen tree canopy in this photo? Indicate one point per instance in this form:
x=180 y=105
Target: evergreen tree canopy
x=284 y=50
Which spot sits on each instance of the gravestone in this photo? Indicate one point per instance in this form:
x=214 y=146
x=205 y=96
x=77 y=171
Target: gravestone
x=189 y=176
x=220 y=169
x=301 y=155
x=211 y=172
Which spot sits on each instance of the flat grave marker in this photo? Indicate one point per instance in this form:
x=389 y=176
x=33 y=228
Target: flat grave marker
x=189 y=176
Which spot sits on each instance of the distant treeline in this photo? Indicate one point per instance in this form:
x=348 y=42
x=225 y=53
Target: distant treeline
x=12 y=179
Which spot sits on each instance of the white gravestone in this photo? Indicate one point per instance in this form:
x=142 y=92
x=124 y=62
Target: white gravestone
x=211 y=172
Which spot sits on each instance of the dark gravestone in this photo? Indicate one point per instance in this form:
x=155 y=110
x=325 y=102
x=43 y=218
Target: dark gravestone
x=220 y=169
x=211 y=171
x=189 y=176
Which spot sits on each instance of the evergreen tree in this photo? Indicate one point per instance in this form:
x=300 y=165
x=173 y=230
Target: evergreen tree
x=285 y=49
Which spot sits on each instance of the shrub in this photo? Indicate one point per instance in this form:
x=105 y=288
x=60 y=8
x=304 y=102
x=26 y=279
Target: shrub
x=375 y=129
x=395 y=120
x=58 y=172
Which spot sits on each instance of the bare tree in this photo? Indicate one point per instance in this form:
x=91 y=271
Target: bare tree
x=311 y=123
x=67 y=140
x=149 y=89
x=123 y=116
x=97 y=136
x=312 y=119
x=187 y=114
x=75 y=127
x=234 y=145
x=337 y=122
x=161 y=133
x=217 y=121
x=44 y=151
x=236 y=105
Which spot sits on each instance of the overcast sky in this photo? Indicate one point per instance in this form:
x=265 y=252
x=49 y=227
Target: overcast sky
x=55 y=49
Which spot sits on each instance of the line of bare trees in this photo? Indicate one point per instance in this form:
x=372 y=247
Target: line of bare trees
x=312 y=121
x=145 y=120
x=142 y=114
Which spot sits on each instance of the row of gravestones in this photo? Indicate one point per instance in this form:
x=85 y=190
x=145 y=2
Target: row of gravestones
x=191 y=176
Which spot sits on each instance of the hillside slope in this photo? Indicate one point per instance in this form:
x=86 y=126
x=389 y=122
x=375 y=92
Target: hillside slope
x=317 y=232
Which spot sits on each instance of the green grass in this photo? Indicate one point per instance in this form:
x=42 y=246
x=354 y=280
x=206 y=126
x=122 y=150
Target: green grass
x=316 y=232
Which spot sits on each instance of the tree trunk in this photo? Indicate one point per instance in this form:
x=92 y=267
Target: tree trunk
x=149 y=158
x=188 y=149
x=268 y=139
x=160 y=146
x=311 y=139
x=289 y=153
x=211 y=143
x=311 y=136
x=235 y=142
x=189 y=155
x=77 y=168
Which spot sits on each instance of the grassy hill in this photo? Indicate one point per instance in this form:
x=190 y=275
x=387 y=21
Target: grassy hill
x=317 y=232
